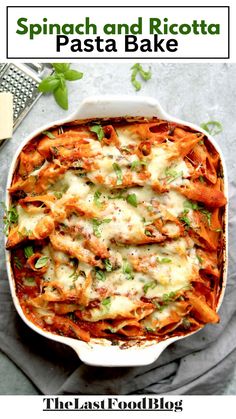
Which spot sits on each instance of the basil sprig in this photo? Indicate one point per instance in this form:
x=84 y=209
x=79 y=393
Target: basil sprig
x=145 y=75
x=212 y=127
x=56 y=83
x=41 y=262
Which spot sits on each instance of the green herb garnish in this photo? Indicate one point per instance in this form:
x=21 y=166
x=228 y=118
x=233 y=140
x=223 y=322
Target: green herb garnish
x=201 y=179
x=167 y=298
x=10 y=217
x=185 y=220
x=100 y=275
x=56 y=83
x=119 y=195
x=28 y=251
x=41 y=262
x=30 y=282
x=96 y=198
x=118 y=173
x=96 y=224
x=132 y=199
x=199 y=258
x=58 y=194
x=128 y=271
x=148 y=285
x=171 y=175
x=17 y=262
x=207 y=215
x=212 y=127
x=108 y=265
x=148 y=233
x=145 y=75
x=49 y=134
x=163 y=260
x=137 y=164
x=107 y=302
x=98 y=130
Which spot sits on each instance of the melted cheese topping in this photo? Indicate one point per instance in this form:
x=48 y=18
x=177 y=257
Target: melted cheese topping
x=116 y=242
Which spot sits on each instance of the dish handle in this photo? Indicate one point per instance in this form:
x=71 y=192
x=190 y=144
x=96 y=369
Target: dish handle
x=118 y=106
x=100 y=355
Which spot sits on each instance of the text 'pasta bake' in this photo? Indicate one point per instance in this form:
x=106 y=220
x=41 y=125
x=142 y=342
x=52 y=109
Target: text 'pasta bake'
x=116 y=230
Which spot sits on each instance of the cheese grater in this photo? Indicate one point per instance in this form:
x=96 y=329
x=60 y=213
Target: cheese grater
x=22 y=81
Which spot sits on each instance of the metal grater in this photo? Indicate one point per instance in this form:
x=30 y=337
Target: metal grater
x=22 y=81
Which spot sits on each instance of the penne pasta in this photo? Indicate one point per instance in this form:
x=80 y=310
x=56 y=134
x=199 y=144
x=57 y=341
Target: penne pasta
x=116 y=230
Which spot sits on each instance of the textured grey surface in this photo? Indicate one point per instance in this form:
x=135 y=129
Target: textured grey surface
x=193 y=92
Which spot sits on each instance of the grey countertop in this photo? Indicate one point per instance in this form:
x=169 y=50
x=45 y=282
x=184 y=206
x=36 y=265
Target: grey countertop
x=192 y=92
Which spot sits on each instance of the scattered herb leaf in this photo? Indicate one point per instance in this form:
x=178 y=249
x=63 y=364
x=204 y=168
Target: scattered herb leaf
x=108 y=265
x=212 y=127
x=163 y=260
x=128 y=271
x=100 y=275
x=98 y=130
x=132 y=199
x=49 y=134
x=17 y=262
x=10 y=217
x=28 y=251
x=118 y=173
x=145 y=75
x=41 y=262
x=148 y=285
x=107 y=302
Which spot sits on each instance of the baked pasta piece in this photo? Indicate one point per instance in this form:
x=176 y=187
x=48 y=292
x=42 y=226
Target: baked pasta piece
x=117 y=230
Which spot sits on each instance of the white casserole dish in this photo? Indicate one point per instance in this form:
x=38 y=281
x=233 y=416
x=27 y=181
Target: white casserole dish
x=100 y=352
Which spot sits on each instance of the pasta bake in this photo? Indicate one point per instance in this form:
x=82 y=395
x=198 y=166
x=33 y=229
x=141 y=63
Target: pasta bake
x=116 y=230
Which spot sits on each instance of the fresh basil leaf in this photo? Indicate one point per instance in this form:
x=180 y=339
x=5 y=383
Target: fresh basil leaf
x=96 y=224
x=185 y=220
x=28 y=251
x=199 y=258
x=167 y=298
x=98 y=130
x=201 y=179
x=132 y=199
x=61 y=96
x=108 y=265
x=17 y=262
x=73 y=75
x=148 y=285
x=137 y=164
x=10 y=217
x=61 y=67
x=212 y=127
x=118 y=173
x=100 y=275
x=49 y=84
x=128 y=271
x=29 y=282
x=41 y=262
x=145 y=75
x=148 y=233
x=96 y=198
x=49 y=134
x=107 y=302
x=58 y=194
x=163 y=260
x=172 y=175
